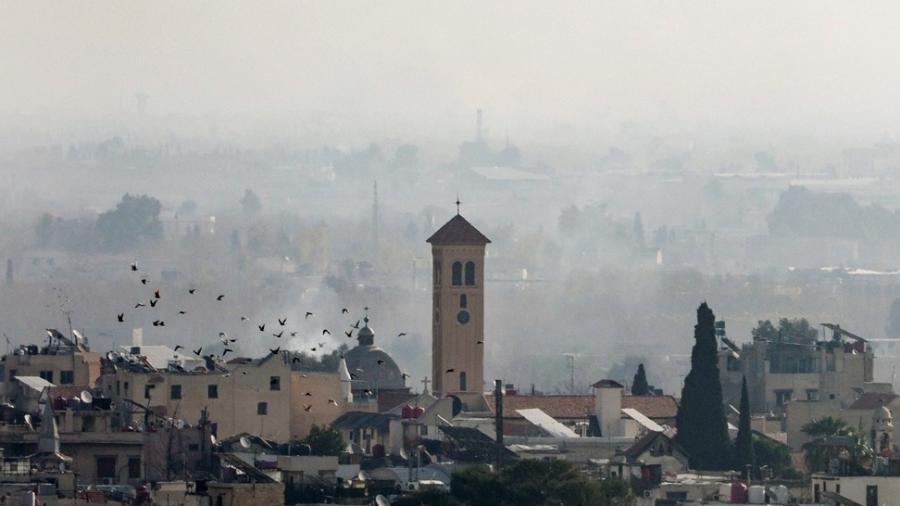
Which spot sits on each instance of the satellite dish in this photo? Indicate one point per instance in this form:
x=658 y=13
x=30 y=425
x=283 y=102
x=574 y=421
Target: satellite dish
x=381 y=501
x=110 y=356
x=403 y=454
x=245 y=442
x=212 y=439
x=179 y=424
x=28 y=421
x=86 y=397
x=78 y=335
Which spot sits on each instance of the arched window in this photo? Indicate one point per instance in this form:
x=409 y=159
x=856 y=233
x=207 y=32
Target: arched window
x=463 y=301
x=470 y=273
x=457 y=273
x=462 y=381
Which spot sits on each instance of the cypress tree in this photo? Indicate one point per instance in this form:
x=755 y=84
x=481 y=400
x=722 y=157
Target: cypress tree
x=702 y=429
x=639 y=384
x=743 y=447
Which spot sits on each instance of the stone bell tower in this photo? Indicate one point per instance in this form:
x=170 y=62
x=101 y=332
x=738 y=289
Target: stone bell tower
x=457 y=330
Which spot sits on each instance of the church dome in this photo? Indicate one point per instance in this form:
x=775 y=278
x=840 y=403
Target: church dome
x=372 y=368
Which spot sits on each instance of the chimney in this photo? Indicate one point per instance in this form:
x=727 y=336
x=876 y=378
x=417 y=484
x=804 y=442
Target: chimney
x=608 y=407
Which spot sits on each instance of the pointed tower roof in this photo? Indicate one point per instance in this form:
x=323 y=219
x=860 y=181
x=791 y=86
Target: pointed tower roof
x=458 y=231
x=343 y=372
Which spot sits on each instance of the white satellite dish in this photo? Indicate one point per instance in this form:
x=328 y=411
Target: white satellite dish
x=245 y=442
x=86 y=397
x=78 y=336
x=28 y=422
x=212 y=439
x=179 y=424
x=381 y=501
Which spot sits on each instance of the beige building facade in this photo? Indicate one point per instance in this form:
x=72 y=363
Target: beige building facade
x=263 y=397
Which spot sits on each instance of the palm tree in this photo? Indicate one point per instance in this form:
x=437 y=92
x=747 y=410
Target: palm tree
x=834 y=439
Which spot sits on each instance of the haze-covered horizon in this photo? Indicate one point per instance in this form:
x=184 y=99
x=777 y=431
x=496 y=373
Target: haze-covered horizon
x=819 y=69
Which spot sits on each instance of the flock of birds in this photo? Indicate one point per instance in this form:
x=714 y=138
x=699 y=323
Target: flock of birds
x=228 y=341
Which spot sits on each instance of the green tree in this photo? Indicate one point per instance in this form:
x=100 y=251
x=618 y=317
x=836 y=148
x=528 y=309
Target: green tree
x=702 y=428
x=796 y=330
x=639 y=385
x=893 y=324
x=250 y=203
x=325 y=440
x=743 y=446
x=774 y=456
x=134 y=221
x=537 y=483
x=831 y=436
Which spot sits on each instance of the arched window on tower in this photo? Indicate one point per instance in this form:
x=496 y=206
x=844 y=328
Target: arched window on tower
x=462 y=381
x=463 y=301
x=470 y=273
x=457 y=273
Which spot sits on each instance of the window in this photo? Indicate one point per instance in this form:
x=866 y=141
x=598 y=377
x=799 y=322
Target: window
x=463 y=301
x=118 y=387
x=783 y=396
x=2 y=374
x=437 y=273
x=812 y=394
x=106 y=467
x=872 y=495
x=134 y=468
x=87 y=424
x=262 y=408
x=47 y=375
x=12 y=374
x=470 y=273
x=125 y=387
x=462 y=381
x=66 y=377
x=212 y=391
x=275 y=383
x=457 y=274
x=147 y=390
x=175 y=392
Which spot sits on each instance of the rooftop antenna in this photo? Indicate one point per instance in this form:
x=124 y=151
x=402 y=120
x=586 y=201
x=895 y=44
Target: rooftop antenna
x=457 y=203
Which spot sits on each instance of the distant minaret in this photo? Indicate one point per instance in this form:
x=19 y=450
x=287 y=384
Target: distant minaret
x=346 y=381
x=375 y=222
x=479 y=126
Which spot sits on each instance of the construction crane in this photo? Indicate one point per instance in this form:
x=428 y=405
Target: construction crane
x=838 y=332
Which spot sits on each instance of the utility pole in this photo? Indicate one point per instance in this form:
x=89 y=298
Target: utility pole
x=498 y=420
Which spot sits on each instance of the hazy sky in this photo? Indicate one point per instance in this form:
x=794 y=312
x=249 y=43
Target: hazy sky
x=815 y=65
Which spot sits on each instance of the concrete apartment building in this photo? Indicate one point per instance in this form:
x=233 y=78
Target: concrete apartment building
x=266 y=396
x=787 y=370
x=62 y=361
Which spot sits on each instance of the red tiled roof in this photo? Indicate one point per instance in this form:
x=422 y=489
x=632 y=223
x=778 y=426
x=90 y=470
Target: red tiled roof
x=580 y=406
x=652 y=406
x=458 y=231
x=872 y=400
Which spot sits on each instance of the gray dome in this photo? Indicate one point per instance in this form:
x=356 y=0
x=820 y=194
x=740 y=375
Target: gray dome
x=372 y=368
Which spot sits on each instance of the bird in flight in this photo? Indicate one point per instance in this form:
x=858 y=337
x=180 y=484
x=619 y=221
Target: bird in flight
x=379 y=362
x=244 y=318
x=143 y=281
x=479 y=342
x=159 y=323
x=344 y=310
x=275 y=350
x=307 y=407
x=282 y=321
x=293 y=334
x=308 y=314
x=220 y=297
x=450 y=370
x=133 y=266
x=198 y=351
x=139 y=305
x=120 y=317
x=178 y=347
x=312 y=349
x=308 y=394
x=401 y=334
x=192 y=291
x=349 y=333
x=404 y=375
x=153 y=302
x=278 y=335
x=332 y=402
x=182 y=312
x=321 y=345
x=262 y=328
x=225 y=351
x=325 y=331
x=356 y=325
x=156 y=293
